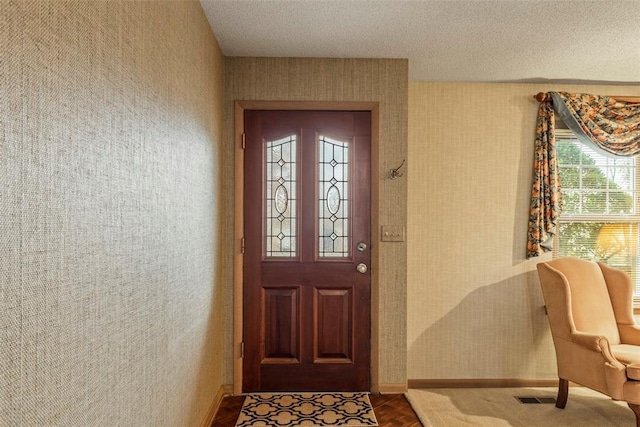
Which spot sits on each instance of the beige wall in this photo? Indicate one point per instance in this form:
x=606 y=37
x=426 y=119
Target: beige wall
x=475 y=309
x=376 y=80
x=110 y=296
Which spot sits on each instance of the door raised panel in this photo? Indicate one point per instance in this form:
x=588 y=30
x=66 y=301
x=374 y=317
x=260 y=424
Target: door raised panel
x=333 y=320
x=282 y=325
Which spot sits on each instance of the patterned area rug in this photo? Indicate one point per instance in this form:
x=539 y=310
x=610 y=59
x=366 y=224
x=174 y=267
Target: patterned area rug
x=307 y=409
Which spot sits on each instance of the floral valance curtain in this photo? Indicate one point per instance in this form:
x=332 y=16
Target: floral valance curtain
x=609 y=126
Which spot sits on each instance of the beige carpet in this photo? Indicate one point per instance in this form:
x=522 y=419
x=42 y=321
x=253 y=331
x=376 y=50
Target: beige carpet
x=498 y=407
x=307 y=409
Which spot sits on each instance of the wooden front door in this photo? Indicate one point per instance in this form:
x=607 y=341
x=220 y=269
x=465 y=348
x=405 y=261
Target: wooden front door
x=307 y=251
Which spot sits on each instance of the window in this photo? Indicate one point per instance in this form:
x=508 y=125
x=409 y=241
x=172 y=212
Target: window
x=281 y=196
x=333 y=203
x=600 y=214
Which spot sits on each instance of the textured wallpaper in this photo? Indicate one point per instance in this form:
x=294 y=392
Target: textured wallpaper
x=110 y=215
x=475 y=308
x=377 y=80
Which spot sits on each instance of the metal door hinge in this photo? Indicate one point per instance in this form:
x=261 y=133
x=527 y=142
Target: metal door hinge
x=242 y=245
x=242 y=350
x=244 y=140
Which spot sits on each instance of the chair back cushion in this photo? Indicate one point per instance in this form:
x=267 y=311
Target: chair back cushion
x=588 y=300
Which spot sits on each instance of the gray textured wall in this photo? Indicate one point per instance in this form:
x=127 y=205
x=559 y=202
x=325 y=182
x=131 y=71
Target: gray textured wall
x=110 y=296
x=316 y=79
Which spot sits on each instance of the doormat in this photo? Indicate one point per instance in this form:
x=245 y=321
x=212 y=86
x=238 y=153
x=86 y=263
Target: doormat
x=306 y=409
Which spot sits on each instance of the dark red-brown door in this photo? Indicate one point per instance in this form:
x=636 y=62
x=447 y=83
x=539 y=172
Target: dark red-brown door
x=306 y=272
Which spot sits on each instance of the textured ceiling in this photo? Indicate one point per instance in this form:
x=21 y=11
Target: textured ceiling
x=454 y=40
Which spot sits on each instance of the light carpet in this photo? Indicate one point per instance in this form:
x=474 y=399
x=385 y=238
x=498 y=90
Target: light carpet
x=499 y=407
x=307 y=409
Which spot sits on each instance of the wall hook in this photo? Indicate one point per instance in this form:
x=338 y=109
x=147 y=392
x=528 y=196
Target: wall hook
x=395 y=173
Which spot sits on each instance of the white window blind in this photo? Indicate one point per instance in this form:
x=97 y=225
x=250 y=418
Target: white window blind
x=600 y=215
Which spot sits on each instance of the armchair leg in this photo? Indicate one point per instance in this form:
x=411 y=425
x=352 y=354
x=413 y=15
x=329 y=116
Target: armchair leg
x=563 y=394
x=636 y=410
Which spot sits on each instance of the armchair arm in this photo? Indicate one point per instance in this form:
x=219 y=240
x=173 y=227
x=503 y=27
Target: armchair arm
x=589 y=341
x=629 y=334
x=597 y=343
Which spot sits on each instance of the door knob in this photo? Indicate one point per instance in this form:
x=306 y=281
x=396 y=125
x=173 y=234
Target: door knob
x=362 y=268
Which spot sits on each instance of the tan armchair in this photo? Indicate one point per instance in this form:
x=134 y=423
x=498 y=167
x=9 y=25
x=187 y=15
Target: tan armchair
x=596 y=338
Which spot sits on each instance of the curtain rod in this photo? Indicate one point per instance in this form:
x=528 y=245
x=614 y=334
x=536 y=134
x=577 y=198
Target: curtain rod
x=546 y=96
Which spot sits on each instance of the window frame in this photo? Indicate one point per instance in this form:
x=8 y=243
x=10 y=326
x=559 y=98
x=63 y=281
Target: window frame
x=566 y=134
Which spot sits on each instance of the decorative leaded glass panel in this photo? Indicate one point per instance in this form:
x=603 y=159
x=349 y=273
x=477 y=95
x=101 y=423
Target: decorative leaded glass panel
x=280 y=179
x=333 y=203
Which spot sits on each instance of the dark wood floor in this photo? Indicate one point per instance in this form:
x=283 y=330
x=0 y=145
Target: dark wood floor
x=392 y=410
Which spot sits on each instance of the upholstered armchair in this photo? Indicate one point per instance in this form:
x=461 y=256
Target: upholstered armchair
x=596 y=338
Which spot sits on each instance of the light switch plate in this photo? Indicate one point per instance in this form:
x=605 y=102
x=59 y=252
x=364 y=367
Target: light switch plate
x=392 y=233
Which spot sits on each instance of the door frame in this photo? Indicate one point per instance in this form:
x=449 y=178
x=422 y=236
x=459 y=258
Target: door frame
x=238 y=232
